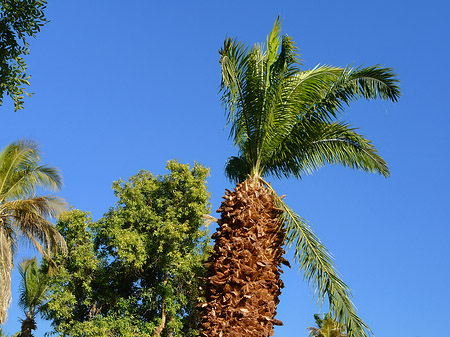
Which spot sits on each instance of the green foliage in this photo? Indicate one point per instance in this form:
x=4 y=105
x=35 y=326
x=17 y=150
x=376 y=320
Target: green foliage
x=136 y=269
x=19 y=20
x=71 y=288
x=285 y=123
x=33 y=286
x=326 y=327
x=283 y=119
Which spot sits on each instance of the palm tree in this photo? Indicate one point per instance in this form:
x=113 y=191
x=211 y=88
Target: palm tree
x=33 y=294
x=284 y=122
x=326 y=327
x=22 y=213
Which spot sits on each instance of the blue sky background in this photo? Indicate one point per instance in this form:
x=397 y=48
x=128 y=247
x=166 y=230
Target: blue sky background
x=127 y=85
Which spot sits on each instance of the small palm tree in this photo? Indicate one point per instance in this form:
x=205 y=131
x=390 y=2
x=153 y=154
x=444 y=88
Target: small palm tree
x=326 y=327
x=33 y=294
x=22 y=213
x=284 y=121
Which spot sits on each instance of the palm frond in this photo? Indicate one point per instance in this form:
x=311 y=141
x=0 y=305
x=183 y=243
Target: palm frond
x=45 y=206
x=20 y=172
x=28 y=217
x=273 y=43
x=291 y=93
x=233 y=61
x=26 y=181
x=373 y=82
x=319 y=270
x=318 y=267
x=314 y=144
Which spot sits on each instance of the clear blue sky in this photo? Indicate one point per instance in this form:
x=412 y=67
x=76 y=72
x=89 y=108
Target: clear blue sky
x=127 y=85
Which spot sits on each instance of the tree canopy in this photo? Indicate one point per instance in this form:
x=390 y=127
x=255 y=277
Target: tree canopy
x=138 y=269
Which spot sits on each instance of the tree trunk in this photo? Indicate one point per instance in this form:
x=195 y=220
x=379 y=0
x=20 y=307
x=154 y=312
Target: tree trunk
x=243 y=281
x=161 y=326
x=6 y=265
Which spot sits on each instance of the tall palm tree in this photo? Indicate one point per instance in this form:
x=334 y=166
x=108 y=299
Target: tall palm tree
x=284 y=121
x=326 y=327
x=23 y=214
x=33 y=294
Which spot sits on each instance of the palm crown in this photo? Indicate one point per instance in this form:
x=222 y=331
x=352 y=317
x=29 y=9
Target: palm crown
x=284 y=121
x=33 y=294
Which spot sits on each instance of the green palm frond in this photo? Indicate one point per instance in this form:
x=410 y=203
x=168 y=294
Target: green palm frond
x=314 y=144
x=351 y=84
x=293 y=94
x=233 y=60
x=319 y=271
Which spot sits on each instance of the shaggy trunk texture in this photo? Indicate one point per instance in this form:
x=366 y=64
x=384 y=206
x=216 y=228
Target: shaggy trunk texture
x=243 y=281
x=6 y=265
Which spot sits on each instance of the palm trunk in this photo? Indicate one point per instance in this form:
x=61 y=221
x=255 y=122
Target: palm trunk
x=6 y=264
x=243 y=281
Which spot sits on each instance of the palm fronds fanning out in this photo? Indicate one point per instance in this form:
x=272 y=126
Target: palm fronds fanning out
x=33 y=294
x=272 y=106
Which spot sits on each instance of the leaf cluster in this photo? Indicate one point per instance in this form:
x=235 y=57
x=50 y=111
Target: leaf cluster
x=19 y=20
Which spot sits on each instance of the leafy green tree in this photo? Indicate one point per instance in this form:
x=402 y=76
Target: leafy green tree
x=19 y=20
x=33 y=294
x=326 y=327
x=137 y=270
x=71 y=294
x=285 y=123
x=23 y=213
